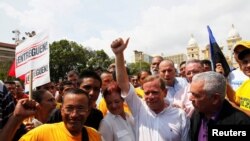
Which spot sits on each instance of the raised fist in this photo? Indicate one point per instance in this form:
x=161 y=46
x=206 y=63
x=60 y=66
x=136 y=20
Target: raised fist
x=119 y=45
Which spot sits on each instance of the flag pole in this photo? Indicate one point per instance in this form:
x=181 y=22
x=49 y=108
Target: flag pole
x=31 y=85
x=30 y=91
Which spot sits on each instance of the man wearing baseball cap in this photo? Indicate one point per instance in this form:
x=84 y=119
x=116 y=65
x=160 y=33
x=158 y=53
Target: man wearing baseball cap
x=242 y=97
x=237 y=77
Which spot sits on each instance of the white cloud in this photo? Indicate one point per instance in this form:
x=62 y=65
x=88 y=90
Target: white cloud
x=167 y=30
x=42 y=14
x=9 y=10
x=155 y=27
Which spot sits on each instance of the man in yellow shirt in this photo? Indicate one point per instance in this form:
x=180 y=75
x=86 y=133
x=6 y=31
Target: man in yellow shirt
x=243 y=92
x=75 y=110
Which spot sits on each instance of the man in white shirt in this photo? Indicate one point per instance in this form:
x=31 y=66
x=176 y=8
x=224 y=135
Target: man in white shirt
x=167 y=72
x=181 y=98
x=155 y=119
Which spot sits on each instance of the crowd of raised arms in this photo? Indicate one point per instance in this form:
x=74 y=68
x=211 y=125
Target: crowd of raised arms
x=160 y=104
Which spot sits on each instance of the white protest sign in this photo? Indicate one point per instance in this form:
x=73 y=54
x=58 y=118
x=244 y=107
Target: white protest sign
x=40 y=76
x=32 y=54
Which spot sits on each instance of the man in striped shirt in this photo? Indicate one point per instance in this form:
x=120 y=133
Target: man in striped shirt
x=11 y=117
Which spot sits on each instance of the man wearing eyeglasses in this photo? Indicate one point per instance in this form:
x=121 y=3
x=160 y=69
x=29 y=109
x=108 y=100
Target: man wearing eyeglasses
x=242 y=97
x=90 y=82
x=237 y=77
x=74 y=111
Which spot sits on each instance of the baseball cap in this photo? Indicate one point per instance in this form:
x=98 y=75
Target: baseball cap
x=243 y=43
x=243 y=53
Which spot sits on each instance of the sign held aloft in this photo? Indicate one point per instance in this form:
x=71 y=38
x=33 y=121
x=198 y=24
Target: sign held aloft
x=32 y=54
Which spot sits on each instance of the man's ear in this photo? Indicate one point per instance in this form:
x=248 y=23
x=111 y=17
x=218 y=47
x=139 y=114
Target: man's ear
x=216 y=98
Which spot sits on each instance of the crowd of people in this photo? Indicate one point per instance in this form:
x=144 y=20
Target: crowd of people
x=160 y=104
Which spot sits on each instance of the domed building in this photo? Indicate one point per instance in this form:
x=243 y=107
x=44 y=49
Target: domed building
x=233 y=37
x=193 y=50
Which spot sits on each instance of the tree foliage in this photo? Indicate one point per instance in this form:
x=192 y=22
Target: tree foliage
x=68 y=55
x=4 y=68
x=98 y=59
x=135 y=68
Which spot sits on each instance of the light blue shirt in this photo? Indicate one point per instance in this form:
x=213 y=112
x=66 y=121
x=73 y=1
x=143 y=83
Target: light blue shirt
x=179 y=83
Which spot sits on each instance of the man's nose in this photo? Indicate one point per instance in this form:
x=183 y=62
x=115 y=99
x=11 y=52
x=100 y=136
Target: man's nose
x=74 y=113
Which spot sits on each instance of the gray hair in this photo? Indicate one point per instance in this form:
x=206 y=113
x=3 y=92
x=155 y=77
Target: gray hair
x=194 y=61
x=213 y=83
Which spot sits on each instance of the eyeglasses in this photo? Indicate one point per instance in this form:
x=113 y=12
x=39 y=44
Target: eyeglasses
x=79 y=110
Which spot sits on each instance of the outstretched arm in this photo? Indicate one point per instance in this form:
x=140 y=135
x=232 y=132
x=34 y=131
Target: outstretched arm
x=118 y=46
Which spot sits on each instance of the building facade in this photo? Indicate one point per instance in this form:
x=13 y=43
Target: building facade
x=177 y=58
x=7 y=51
x=193 y=50
x=142 y=57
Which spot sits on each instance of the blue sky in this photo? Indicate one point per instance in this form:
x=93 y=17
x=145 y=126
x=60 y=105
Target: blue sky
x=154 y=26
